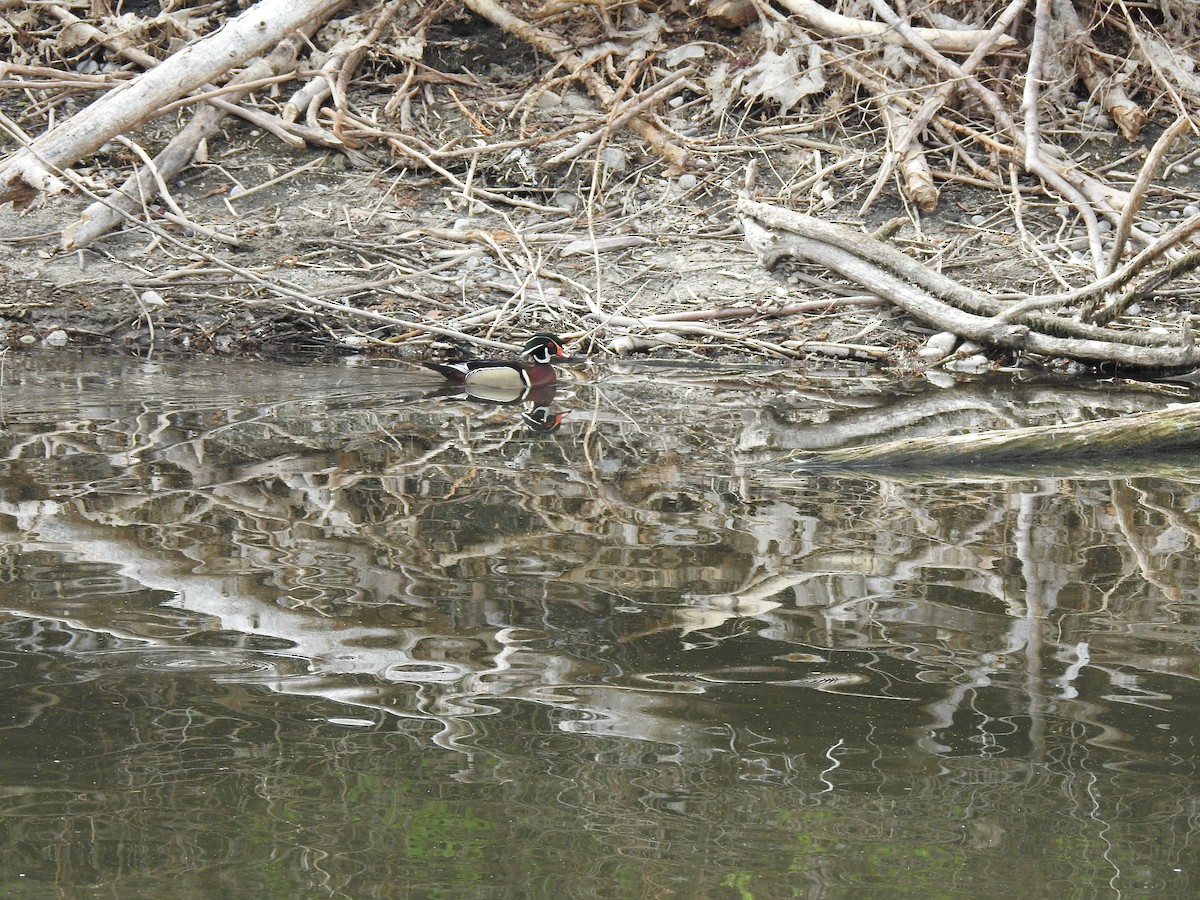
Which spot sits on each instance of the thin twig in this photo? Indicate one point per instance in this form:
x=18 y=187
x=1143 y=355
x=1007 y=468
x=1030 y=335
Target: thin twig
x=1137 y=194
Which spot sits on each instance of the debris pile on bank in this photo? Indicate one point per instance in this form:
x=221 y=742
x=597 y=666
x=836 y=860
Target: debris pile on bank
x=319 y=173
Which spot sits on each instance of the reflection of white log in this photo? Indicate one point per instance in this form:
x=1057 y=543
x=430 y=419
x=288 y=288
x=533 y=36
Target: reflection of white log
x=1162 y=431
x=31 y=169
x=55 y=526
x=965 y=409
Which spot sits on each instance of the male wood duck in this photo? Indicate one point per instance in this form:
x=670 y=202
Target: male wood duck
x=532 y=370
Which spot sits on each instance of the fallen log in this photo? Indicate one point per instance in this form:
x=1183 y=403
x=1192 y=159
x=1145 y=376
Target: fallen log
x=34 y=168
x=774 y=232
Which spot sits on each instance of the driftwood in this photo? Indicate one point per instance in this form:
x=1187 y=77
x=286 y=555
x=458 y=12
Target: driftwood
x=775 y=233
x=1165 y=431
x=34 y=168
x=103 y=216
x=624 y=121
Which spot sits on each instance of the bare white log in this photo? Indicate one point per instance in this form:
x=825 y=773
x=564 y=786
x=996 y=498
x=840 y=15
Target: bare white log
x=837 y=25
x=31 y=170
x=774 y=232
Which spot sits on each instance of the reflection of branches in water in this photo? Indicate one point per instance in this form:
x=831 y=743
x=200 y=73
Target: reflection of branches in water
x=637 y=532
x=618 y=610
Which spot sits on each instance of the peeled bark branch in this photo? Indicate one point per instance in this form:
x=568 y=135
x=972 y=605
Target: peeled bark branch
x=836 y=25
x=1129 y=116
x=914 y=167
x=940 y=301
x=32 y=169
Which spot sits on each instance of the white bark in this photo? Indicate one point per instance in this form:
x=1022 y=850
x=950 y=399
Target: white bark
x=31 y=169
x=837 y=25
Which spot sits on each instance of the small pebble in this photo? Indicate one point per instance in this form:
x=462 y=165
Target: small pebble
x=686 y=181
x=978 y=219
x=614 y=159
x=1151 y=227
x=1180 y=169
x=1104 y=225
x=1191 y=210
x=577 y=101
x=27 y=339
x=971 y=364
x=568 y=200
x=941 y=344
x=56 y=338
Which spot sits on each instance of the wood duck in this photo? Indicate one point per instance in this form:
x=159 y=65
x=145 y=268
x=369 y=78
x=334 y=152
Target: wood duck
x=485 y=376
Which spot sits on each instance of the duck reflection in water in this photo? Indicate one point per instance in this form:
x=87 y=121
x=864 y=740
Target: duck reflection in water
x=541 y=418
x=530 y=379
x=539 y=415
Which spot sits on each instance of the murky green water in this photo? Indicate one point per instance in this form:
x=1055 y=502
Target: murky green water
x=283 y=631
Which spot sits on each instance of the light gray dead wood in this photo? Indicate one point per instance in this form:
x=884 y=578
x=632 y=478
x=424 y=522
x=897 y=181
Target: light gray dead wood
x=32 y=169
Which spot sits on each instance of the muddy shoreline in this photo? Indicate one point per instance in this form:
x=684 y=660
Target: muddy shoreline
x=473 y=211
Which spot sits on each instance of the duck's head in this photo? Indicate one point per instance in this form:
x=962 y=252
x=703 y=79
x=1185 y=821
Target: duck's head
x=543 y=348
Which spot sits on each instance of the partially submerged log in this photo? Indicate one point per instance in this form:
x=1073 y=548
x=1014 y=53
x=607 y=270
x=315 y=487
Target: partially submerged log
x=1172 y=430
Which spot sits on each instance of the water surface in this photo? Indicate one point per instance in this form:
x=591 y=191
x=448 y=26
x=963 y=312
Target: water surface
x=282 y=630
